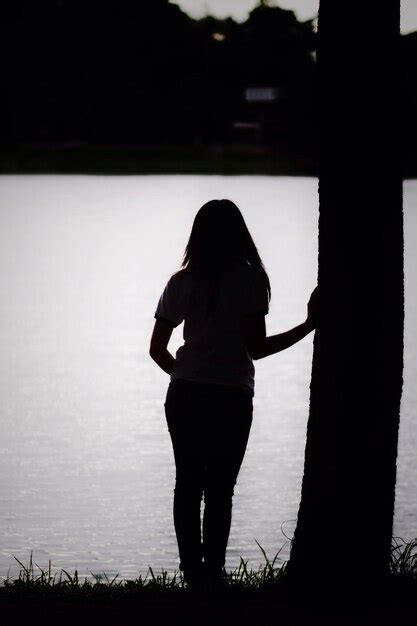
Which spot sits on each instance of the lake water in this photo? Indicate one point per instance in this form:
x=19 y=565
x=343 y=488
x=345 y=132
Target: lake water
x=86 y=464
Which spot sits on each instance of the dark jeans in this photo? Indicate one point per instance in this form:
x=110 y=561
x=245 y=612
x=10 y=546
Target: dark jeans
x=209 y=427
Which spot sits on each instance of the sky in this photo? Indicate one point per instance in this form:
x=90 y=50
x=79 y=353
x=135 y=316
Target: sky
x=304 y=9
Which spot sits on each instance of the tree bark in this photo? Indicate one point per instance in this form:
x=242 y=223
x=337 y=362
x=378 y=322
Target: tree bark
x=344 y=527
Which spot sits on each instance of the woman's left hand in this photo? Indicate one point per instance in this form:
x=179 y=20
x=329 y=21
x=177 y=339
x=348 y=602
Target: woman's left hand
x=313 y=308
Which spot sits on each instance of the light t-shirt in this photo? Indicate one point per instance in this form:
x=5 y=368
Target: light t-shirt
x=214 y=349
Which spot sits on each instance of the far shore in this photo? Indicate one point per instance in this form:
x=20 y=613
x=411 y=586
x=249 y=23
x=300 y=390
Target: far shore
x=111 y=158
x=136 y=159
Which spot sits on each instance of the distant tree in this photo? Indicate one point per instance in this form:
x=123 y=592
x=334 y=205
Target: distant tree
x=344 y=529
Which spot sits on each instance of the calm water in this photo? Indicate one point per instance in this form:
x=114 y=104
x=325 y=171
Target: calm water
x=86 y=465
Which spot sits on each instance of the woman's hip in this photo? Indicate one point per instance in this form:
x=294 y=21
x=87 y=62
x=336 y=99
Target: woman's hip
x=204 y=415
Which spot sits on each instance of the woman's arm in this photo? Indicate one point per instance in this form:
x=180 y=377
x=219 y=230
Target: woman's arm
x=259 y=345
x=158 y=349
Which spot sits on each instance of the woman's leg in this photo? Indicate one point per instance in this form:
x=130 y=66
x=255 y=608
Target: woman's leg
x=187 y=520
x=183 y=415
x=231 y=419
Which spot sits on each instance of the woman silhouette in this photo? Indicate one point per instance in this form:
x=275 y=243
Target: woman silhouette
x=222 y=294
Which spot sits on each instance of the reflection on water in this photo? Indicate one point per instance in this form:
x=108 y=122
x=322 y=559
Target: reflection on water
x=86 y=466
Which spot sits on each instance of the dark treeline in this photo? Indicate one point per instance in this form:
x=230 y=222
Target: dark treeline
x=123 y=70
x=145 y=73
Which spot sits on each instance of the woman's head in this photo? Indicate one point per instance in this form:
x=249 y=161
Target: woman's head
x=219 y=236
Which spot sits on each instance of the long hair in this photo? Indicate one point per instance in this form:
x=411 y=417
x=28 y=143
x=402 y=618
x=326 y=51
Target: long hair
x=219 y=237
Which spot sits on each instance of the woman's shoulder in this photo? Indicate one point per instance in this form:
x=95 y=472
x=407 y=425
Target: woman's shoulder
x=178 y=280
x=178 y=275
x=184 y=281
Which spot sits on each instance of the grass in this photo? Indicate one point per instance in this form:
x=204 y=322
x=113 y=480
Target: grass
x=34 y=581
x=404 y=558
x=252 y=597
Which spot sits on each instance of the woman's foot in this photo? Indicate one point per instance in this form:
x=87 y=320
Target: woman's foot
x=205 y=579
x=193 y=578
x=213 y=577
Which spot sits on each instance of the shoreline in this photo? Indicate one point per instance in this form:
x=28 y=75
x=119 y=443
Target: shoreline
x=259 y=598
x=255 y=598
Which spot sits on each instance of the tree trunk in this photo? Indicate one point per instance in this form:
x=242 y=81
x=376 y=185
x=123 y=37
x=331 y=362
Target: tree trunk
x=344 y=528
